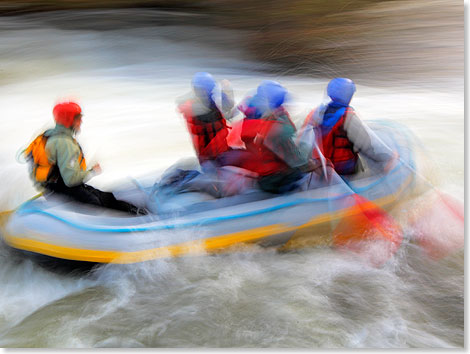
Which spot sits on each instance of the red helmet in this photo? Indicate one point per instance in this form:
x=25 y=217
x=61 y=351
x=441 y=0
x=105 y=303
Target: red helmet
x=65 y=112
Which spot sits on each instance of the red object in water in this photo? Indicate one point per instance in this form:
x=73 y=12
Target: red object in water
x=368 y=231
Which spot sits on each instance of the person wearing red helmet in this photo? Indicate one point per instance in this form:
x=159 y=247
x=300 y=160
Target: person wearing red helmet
x=58 y=164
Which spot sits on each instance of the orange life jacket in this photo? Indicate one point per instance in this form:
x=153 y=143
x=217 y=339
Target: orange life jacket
x=36 y=154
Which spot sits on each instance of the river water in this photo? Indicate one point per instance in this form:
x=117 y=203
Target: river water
x=127 y=79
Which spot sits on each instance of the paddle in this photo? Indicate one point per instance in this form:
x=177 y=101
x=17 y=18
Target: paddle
x=364 y=228
x=438 y=225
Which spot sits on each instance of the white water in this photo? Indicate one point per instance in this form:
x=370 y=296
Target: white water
x=127 y=81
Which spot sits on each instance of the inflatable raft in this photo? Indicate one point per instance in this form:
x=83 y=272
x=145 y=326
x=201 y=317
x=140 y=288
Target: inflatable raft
x=195 y=223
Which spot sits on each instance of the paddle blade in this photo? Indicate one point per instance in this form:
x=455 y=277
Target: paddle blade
x=439 y=226
x=368 y=231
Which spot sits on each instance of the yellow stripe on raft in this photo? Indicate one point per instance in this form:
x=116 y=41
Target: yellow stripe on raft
x=186 y=248
x=195 y=247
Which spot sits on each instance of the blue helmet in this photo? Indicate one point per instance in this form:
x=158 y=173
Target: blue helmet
x=203 y=82
x=341 y=90
x=273 y=93
x=255 y=107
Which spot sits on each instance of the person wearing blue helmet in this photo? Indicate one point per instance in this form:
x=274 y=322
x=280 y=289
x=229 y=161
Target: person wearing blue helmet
x=268 y=134
x=204 y=111
x=341 y=135
x=268 y=101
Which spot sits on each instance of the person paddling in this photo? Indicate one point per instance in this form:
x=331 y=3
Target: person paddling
x=205 y=113
x=268 y=134
x=341 y=135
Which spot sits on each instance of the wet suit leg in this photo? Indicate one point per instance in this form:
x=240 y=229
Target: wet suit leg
x=282 y=182
x=234 y=157
x=87 y=194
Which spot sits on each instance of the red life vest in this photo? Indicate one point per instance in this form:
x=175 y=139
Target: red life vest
x=263 y=161
x=336 y=146
x=208 y=132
